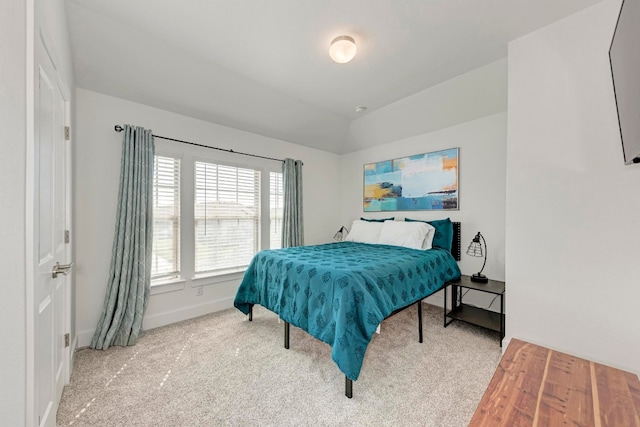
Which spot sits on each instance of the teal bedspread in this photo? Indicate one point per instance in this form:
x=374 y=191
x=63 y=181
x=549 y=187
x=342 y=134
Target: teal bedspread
x=340 y=292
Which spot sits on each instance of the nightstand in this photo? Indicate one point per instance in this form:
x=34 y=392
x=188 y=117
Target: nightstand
x=474 y=315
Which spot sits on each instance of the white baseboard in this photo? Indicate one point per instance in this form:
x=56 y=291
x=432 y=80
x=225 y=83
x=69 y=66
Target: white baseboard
x=436 y=299
x=169 y=317
x=166 y=318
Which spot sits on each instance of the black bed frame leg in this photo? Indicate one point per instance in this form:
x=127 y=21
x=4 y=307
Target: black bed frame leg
x=348 y=387
x=286 y=335
x=251 y=313
x=420 y=321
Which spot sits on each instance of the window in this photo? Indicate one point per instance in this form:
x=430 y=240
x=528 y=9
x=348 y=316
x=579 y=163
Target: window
x=235 y=212
x=165 y=255
x=226 y=217
x=276 y=200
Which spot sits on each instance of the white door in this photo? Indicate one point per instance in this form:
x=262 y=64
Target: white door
x=50 y=311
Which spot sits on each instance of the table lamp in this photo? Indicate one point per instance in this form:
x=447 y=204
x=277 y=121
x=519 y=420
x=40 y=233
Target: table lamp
x=341 y=234
x=475 y=249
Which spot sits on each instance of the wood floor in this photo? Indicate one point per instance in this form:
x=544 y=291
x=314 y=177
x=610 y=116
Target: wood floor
x=536 y=386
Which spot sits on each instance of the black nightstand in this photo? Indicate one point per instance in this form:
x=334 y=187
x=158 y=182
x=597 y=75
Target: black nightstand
x=467 y=313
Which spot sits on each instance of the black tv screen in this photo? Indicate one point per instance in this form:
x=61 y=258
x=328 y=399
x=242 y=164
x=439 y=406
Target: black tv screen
x=624 y=56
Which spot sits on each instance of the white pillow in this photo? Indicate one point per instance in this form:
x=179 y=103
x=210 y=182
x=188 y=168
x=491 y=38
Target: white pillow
x=408 y=234
x=364 y=232
x=428 y=240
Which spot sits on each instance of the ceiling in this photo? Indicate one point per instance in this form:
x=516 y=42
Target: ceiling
x=263 y=66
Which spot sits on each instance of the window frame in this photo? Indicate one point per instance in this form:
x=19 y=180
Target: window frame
x=259 y=222
x=174 y=275
x=281 y=187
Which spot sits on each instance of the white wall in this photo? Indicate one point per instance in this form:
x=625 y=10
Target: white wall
x=572 y=206
x=12 y=210
x=97 y=168
x=482 y=144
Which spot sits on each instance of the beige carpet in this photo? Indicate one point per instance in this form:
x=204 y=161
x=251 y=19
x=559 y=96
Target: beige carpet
x=222 y=370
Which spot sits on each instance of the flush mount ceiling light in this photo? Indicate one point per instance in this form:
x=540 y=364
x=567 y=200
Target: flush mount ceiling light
x=343 y=49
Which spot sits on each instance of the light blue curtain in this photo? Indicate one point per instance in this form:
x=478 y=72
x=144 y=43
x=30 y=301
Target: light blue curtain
x=292 y=226
x=129 y=279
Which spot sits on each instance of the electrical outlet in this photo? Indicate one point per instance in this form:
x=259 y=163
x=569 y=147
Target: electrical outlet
x=199 y=291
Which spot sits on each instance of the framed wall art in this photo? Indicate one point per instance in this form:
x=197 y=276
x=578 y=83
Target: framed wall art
x=416 y=183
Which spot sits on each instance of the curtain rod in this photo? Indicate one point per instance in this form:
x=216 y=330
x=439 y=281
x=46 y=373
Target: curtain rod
x=119 y=128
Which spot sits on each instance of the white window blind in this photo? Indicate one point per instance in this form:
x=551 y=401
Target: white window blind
x=276 y=199
x=166 y=218
x=227 y=217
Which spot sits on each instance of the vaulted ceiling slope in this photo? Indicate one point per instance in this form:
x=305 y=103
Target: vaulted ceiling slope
x=263 y=66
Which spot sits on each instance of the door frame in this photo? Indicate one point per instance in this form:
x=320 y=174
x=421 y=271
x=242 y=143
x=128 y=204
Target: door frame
x=69 y=253
x=30 y=245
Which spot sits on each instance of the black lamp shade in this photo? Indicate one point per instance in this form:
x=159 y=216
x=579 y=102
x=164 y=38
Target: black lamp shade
x=475 y=249
x=340 y=234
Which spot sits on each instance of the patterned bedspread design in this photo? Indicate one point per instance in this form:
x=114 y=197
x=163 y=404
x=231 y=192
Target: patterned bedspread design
x=340 y=292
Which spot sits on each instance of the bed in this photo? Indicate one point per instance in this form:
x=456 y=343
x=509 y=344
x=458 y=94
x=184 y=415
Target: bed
x=340 y=292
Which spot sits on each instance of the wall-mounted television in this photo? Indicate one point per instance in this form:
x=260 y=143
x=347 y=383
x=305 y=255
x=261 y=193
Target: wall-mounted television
x=624 y=56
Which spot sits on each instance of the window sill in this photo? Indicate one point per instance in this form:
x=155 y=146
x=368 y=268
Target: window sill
x=202 y=280
x=167 y=285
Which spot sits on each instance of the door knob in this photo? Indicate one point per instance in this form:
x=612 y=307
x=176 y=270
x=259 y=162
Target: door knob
x=61 y=269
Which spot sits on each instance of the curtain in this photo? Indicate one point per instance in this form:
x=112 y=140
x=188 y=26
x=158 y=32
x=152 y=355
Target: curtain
x=129 y=280
x=292 y=227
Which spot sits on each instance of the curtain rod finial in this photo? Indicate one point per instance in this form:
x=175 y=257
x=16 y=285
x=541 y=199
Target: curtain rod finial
x=118 y=128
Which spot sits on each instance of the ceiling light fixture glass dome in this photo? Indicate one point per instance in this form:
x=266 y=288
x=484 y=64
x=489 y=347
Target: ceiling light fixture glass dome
x=343 y=49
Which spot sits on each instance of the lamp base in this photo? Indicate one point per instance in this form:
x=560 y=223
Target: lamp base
x=480 y=278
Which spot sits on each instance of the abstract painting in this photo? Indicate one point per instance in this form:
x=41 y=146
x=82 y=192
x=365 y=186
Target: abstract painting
x=422 y=182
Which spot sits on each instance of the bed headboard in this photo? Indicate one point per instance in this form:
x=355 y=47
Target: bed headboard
x=455 y=247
